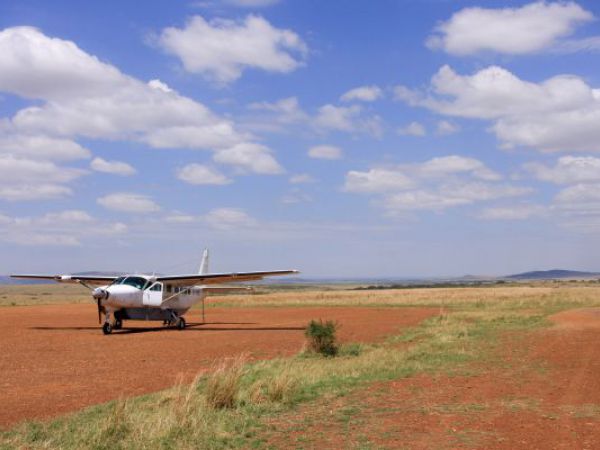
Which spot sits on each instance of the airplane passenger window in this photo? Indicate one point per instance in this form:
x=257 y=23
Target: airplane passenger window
x=156 y=287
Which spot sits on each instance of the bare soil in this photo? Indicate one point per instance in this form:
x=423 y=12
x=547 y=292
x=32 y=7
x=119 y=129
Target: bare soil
x=54 y=359
x=541 y=392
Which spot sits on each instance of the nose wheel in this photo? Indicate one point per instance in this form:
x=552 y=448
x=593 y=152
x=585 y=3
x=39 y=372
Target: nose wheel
x=107 y=328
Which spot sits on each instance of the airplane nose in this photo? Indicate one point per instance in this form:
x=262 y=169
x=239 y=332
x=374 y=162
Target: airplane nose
x=100 y=294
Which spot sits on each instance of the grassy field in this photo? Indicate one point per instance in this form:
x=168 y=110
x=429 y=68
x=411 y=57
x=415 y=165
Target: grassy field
x=232 y=408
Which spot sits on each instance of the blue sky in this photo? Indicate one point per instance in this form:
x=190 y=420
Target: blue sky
x=344 y=139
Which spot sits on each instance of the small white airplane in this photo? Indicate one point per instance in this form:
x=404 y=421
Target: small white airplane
x=150 y=297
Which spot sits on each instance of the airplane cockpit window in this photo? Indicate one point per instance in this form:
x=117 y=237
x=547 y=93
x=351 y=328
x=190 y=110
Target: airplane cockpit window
x=136 y=282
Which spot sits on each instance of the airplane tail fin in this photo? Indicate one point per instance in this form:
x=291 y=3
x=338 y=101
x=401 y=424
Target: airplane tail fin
x=204 y=264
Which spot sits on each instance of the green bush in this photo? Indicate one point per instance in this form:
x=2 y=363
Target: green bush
x=321 y=337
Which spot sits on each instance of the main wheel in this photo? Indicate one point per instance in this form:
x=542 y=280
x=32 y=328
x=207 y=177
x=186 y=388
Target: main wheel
x=118 y=324
x=180 y=323
x=107 y=328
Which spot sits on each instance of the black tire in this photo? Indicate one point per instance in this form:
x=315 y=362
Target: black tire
x=180 y=323
x=107 y=328
x=118 y=324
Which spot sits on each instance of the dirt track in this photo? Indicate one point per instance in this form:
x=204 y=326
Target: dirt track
x=544 y=393
x=54 y=359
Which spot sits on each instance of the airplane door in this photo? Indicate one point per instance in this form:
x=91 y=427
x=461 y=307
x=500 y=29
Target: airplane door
x=153 y=296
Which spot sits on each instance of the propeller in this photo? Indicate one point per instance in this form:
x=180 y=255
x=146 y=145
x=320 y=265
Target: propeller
x=100 y=310
x=100 y=294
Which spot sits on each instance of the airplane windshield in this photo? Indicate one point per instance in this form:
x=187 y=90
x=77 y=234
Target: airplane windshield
x=136 y=282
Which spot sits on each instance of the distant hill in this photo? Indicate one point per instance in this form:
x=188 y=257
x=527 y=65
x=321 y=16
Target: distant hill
x=554 y=274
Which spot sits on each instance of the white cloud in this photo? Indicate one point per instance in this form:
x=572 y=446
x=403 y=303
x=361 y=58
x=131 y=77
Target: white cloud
x=62 y=228
x=42 y=147
x=228 y=219
x=301 y=178
x=567 y=170
x=516 y=31
x=339 y=118
x=445 y=128
x=200 y=174
x=80 y=96
x=249 y=157
x=128 y=202
x=413 y=129
x=558 y=114
x=377 y=180
x=27 y=179
x=325 y=152
x=363 y=93
x=26 y=192
x=112 y=167
x=221 y=49
x=450 y=195
x=579 y=196
x=514 y=212
x=286 y=112
x=435 y=185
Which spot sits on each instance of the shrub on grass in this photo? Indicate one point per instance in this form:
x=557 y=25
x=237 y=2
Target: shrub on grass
x=322 y=337
x=223 y=384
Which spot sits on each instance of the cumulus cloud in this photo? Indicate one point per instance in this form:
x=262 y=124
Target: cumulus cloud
x=222 y=49
x=42 y=147
x=558 y=114
x=434 y=185
x=287 y=113
x=249 y=157
x=363 y=94
x=567 y=170
x=129 y=202
x=377 y=180
x=27 y=179
x=77 y=95
x=228 y=219
x=112 y=167
x=201 y=174
x=413 y=129
x=348 y=119
x=62 y=228
x=444 y=128
x=515 y=31
x=330 y=152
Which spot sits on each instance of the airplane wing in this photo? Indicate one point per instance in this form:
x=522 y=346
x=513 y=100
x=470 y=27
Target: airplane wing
x=91 y=280
x=218 y=278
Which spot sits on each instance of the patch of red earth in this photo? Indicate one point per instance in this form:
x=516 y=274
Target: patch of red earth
x=54 y=359
x=543 y=393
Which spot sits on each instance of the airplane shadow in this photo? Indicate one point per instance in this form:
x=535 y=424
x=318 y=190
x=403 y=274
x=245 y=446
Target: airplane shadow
x=207 y=326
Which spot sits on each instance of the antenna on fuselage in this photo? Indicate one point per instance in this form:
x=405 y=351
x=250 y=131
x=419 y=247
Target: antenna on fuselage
x=204 y=264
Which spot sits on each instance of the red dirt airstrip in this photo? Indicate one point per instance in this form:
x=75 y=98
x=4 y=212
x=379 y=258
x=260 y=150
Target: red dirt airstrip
x=54 y=359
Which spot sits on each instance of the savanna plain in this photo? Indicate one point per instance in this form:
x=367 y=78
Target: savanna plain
x=501 y=366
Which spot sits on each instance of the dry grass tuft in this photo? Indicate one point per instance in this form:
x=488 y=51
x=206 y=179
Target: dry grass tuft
x=223 y=384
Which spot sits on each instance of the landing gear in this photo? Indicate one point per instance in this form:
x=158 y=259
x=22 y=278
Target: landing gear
x=180 y=324
x=118 y=324
x=107 y=328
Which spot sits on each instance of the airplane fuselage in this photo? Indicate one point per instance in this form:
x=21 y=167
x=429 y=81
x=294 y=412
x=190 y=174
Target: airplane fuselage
x=140 y=297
